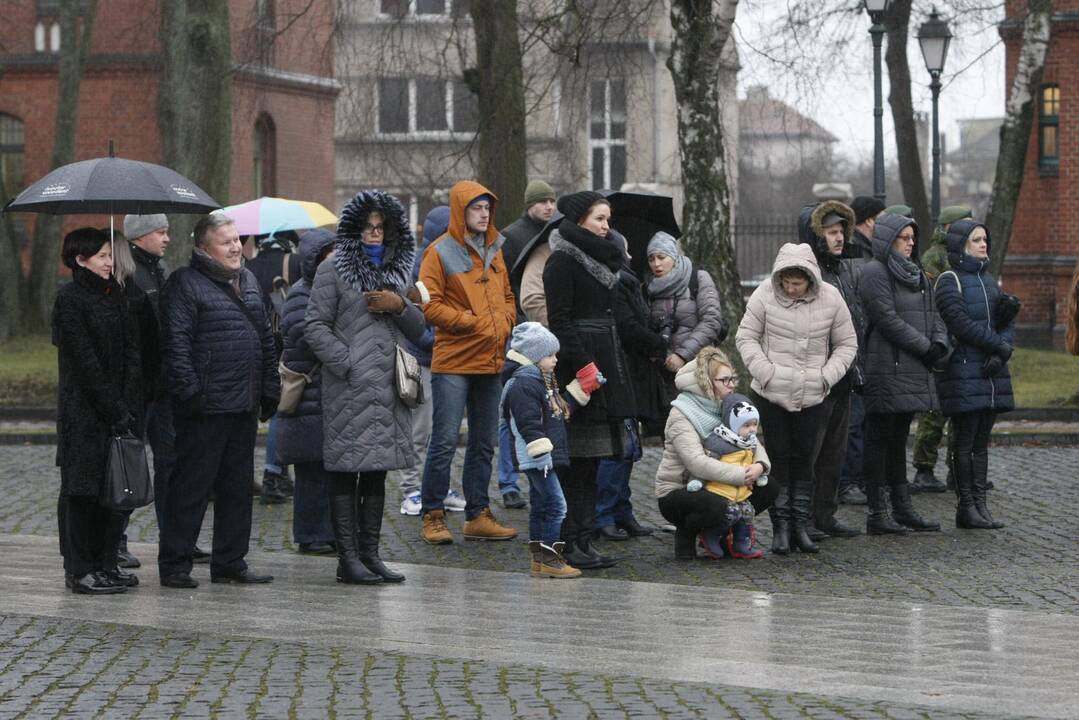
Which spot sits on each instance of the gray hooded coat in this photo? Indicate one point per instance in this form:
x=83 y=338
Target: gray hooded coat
x=365 y=425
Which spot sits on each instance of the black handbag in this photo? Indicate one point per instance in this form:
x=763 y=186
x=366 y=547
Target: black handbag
x=127 y=475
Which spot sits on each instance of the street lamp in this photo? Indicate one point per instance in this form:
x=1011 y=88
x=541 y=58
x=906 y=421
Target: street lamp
x=876 y=10
x=933 y=37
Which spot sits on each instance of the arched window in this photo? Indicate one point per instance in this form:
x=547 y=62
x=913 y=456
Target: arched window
x=11 y=155
x=265 y=170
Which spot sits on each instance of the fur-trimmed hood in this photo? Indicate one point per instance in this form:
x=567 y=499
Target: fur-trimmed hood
x=811 y=229
x=351 y=261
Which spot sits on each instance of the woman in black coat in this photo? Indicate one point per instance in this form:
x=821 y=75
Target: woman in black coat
x=976 y=385
x=904 y=339
x=99 y=395
x=299 y=433
x=588 y=313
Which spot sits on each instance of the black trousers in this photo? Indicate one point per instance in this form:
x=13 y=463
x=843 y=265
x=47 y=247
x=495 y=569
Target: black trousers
x=831 y=454
x=579 y=488
x=89 y=534
x=791 y=439
x=695 y=511
x=970 y=438
x=213 y=452
x=886 y=450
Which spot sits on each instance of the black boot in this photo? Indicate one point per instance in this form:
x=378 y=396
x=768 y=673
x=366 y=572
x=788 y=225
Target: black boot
x=880 y=520
x=273 y=488
x=581 y=558
x=343 y=518
x=967 y=516
x=780 y=512
x=904 y=513
x=801 y=500
x=685 y=544
x=369 y=530
x=981 y=487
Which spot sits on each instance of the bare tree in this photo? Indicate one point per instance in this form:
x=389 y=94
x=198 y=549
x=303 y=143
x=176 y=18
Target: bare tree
x=701 y=29
x=1015 y=133
x=195 y=102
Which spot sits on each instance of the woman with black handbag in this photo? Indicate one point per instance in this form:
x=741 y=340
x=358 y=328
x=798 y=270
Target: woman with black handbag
x=100 y=396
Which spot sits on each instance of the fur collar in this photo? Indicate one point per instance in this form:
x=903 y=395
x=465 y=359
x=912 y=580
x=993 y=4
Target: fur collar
x=351 y=261
x=597 y=270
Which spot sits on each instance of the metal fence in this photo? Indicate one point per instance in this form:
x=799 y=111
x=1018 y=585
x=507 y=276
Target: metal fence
x=756 y=242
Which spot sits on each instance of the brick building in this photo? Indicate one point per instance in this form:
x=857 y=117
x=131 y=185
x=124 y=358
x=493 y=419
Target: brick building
x=1045 y=238
x=283 y=93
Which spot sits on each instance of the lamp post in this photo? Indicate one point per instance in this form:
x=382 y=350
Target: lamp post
x=876 y=10
x=933 y=37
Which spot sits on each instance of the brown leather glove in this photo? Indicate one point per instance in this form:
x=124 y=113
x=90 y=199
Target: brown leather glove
x=384 y=301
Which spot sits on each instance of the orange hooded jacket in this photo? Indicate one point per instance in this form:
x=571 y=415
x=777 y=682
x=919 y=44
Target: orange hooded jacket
x=471 y=305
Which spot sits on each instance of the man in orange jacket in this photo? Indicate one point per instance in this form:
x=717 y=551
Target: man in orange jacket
x=472 y=308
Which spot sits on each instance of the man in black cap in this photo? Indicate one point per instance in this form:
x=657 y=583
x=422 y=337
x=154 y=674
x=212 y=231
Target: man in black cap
x=866 y=210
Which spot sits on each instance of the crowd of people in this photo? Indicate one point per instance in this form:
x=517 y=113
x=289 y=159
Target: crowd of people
x=544 y=340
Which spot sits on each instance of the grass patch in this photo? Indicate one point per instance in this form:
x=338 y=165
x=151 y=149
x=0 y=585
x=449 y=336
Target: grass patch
x=1044 y=378
x=28 y=371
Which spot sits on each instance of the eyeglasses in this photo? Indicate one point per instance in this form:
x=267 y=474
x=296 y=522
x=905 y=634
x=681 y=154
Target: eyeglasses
x=906 y=238
x=374 y=229
x=729 y=380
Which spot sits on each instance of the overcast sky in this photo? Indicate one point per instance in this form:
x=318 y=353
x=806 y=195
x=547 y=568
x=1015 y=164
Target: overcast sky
x=842 y=100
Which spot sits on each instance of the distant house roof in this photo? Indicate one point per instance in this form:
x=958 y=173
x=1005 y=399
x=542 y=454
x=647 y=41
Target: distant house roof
x=762 y=116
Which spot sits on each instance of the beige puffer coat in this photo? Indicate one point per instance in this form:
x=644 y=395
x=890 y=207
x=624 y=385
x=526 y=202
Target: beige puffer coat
x=684 y=455
x=796 y=350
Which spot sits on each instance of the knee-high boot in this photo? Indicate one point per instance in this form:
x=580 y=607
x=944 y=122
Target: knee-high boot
x=903 y=510
x=880 y=520
x=801 y=494
x=981 y=487
x=371 y=502
x=966 y=515
x=343 y=518
x=780 y=512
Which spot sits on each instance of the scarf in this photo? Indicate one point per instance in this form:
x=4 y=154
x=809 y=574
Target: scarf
x=375 y=253
x=599 y=257
x=203 y=262
x=702 y=413
x=673 y=283
x=352 y=260
x=905 y=270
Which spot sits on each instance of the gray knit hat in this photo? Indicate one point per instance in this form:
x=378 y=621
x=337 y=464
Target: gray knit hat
x=533 y=341
x=135 y=226
x=663 y=244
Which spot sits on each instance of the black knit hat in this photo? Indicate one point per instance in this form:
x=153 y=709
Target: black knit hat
x=865 y=207
x=575 y=205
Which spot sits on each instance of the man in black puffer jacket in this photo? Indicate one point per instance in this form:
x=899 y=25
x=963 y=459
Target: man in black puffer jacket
x=222 y=375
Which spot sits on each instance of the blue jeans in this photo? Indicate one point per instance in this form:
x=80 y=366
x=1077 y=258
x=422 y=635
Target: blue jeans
x=852 y=473
x=613 y=493
x=507 y=476
x=311 y=505
x=272 y=464
x=548 y=506
x=161 y=435
x=452 y=396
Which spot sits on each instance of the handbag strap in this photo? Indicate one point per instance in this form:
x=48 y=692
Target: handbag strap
x=236 y=300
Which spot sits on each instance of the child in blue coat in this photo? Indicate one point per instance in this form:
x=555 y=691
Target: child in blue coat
x=536 y=413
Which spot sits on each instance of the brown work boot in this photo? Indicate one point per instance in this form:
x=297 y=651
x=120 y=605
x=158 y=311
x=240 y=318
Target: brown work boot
x=536 y=554
x=435 y=531
x=485 y=527
x=553 y=565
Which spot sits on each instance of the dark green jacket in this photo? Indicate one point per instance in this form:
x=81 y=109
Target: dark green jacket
x=935 y=258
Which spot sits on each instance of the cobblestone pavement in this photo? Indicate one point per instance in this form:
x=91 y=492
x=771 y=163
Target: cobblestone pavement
x=1031 y=564
x=62 y=668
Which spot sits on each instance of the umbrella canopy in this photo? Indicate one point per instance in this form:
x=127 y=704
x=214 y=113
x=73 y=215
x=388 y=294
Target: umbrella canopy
x=112 y=185
x=266 y=215
x=639 y=216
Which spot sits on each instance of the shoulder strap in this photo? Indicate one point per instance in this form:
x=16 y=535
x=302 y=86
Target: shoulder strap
x=284 y=267
x=940 y=277
x=694 y=283
x=238 y=301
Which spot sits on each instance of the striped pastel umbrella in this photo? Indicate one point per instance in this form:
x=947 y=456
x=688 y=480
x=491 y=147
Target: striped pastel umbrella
x=267 y=215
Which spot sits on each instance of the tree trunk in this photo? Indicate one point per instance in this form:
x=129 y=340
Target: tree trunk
x=701 y=29
x=1015 y=133
x=499 y=84
x=45 y=246
x=897 y=26
x=13 y=285
x=194 y=105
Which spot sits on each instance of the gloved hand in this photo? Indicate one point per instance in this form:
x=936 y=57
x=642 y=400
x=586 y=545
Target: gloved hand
x=936 y=352
x=993 y=365
x=192 y=407
x=1008 y=307
x=267 y=408
x=589 y=378
x=1005 y=352
x=384 y=301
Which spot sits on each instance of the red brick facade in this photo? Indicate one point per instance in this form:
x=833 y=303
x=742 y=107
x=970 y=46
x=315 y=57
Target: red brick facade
x=293 y=86
x=1045 y=236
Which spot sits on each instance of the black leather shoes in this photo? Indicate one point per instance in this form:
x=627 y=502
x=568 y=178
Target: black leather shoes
x=199 y=556
x=634 y=528
x=838 y=529
x=125 y=559
x=95 y=583
x=513 y=500
x=243 y=577
x=318 y=548
x=119 y=577
x=852 y=495
x=610 y=532
x=815 y=534
x=180 y=581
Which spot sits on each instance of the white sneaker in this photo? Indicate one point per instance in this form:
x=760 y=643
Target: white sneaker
x=454 y=501
x=411 y=505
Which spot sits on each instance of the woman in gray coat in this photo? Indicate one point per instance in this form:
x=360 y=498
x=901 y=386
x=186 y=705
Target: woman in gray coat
x=356 y=316
x=904 y=339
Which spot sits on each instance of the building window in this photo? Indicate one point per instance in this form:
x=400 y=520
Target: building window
x=1048 y=128
x=265 y=169
x=607 y=133
x=425 y=106
x=424 y=8
x=11 y=155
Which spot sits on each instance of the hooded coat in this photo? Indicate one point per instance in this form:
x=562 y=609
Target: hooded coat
x=968 y=297
x=472 y=305
x=299 y=434
x=695 y=321
x=902 y=324
x=796 y=350
x=365 y=426
x=537 y=422
x=836 y=271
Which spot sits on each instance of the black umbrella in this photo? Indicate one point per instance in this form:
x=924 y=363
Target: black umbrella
x=639 y=216
x=112 y=185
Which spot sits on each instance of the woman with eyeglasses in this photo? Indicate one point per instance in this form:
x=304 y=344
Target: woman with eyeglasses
x=905 y=339
x=797 y=341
